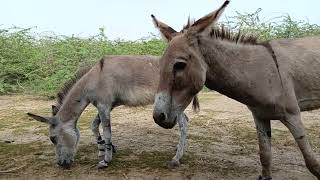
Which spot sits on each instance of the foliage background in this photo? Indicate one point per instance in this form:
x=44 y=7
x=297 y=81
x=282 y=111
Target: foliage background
x=39 y=63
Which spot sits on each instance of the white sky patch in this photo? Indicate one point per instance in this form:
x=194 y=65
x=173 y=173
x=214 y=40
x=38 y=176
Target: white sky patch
x=131 y=20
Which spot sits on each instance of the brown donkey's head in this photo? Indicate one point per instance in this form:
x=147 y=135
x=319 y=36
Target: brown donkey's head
x=182 y=67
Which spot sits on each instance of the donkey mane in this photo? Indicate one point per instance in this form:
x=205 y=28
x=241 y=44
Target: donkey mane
x=188 y=25
x=223 y=33
x=239 y=37
x=67 y=87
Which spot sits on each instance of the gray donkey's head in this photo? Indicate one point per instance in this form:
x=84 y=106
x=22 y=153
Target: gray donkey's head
x=63 y=132
x=64 y=136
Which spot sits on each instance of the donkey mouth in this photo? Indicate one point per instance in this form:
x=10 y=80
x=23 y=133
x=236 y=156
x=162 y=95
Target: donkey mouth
x=65 y=164
x=168 y=125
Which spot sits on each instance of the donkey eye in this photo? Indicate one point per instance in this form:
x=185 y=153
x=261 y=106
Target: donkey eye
x=53 y=139
x=179 y=66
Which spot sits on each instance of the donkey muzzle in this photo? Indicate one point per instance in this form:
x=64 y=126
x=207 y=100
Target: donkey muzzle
x=162 y=120
x=159 y=117
x=65 y=164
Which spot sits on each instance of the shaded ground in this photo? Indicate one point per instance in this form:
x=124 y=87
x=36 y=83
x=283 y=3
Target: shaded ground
x=222 y=144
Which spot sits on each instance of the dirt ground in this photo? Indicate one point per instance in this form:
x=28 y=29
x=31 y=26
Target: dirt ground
x=222 y=144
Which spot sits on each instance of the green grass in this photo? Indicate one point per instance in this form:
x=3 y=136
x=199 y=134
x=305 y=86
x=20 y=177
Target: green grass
x=40 y=63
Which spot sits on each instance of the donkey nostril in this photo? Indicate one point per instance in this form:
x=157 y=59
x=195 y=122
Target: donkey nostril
x=162 y=117
x=65 y=164
x=158 y=118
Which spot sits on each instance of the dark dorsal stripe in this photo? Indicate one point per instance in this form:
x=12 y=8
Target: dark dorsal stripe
x=67 y=87
x=268 y=46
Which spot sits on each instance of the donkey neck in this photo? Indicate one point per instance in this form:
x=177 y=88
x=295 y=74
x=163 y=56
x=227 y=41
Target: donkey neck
x=74 y=103
x=233 y=68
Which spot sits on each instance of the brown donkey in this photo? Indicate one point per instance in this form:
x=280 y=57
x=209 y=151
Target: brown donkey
x=276 y=79
x=113 y=81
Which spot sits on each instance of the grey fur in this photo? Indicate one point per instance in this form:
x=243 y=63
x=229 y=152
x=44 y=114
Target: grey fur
x=122 y=80
x=276 y=80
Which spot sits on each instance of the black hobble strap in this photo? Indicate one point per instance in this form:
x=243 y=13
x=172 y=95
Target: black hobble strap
x=101 y=142
x=112 y=147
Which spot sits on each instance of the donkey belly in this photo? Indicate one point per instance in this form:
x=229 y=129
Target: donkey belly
x=307 y=85
x=299 y=60
x=136 y=96
x=306 y=79
x=309 y=104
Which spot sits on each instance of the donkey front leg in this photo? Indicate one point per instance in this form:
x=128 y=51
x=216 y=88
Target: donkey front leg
x=293 y=123
x=101 y=143
x=183 y=127
x=263 y=127
x=104 y=114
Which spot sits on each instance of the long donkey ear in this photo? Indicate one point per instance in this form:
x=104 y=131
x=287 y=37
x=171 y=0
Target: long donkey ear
x=166 y=31
x=208 y=21
x=40 y=118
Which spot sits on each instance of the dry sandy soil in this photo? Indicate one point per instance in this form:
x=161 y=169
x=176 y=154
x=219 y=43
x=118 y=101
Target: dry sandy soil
x=222 y=144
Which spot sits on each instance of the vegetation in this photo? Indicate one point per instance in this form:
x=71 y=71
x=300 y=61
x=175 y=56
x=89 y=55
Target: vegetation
x=277 y=27
x=39 y=63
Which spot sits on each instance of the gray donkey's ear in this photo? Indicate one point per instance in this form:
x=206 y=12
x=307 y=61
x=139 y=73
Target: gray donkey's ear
x=207 y=22
x=166 y=31
x=47 y=120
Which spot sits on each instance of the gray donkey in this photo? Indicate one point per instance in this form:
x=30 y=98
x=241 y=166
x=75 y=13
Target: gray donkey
x=113 y=81
x=276 y=79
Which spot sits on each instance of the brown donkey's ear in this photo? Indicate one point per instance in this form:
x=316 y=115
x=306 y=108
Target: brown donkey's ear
x=166 y=31
x=40 y=118
x=206 y=22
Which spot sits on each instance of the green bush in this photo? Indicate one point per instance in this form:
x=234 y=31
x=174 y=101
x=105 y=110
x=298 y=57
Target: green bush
x=37 y=63
x=40 y=63
x=274 y=28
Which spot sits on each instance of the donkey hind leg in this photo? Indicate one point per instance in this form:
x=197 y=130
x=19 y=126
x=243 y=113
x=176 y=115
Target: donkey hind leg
x=295 y=126
x=183 y=127
x=263 y=128
x=101 y=143
x=104 y=114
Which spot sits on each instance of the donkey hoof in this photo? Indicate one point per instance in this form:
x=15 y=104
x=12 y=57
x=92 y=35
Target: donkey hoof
x=263 y=178
x=173 y=164
x=102 y=164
